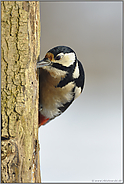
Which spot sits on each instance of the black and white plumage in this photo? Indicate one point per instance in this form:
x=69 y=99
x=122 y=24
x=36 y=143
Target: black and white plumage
x=61 y=81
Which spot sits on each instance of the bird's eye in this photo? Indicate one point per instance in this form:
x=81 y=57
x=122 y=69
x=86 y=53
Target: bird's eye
x=57 y=57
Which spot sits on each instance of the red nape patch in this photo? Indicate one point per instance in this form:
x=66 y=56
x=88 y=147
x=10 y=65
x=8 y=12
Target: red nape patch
x=42 y=120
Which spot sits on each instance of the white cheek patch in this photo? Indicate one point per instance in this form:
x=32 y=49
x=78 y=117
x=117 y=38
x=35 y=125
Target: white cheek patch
x=60 y=54
x=68 y=59
x=77 y=91
x=76 y=71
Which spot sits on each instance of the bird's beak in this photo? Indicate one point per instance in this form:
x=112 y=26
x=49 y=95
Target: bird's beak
x=44 y=62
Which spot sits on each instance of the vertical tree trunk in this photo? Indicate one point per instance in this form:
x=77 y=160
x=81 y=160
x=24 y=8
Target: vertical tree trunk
x=20 y=48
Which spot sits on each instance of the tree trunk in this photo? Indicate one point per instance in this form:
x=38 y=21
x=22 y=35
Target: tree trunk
x=20 y=48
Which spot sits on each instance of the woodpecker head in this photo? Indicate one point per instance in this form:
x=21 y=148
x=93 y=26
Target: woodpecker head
x=58 y=61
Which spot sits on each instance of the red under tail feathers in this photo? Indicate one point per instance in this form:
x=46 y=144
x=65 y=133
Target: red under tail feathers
x=42 y=120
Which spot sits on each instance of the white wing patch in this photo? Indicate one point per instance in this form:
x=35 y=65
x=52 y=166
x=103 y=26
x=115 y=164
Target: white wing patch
x=76 y=71
x=77 y=91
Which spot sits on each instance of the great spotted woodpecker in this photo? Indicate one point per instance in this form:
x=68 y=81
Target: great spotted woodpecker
x=61 y=81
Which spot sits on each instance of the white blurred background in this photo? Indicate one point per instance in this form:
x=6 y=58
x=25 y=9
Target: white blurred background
x=85 y=143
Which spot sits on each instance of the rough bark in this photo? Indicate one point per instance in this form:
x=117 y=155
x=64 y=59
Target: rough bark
x=20 y=48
